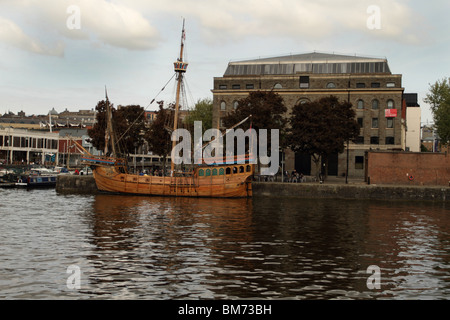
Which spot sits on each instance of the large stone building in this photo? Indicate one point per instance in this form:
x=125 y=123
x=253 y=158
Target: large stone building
x=367 y=83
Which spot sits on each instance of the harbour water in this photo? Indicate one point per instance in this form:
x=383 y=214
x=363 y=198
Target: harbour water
x=122 y=247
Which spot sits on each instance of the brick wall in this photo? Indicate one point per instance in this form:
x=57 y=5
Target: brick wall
x=408 y=168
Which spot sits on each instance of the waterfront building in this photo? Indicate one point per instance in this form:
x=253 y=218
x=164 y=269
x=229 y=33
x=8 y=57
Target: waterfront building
x=368 y=83
x=413 y=121
x=21 y=146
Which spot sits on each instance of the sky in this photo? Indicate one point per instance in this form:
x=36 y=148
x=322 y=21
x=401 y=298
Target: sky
x=62 y=54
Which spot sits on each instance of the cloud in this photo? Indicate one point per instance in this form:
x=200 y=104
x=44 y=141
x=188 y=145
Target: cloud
x=12 y=34
x=126 y=24
x=116 y=25
x=110 y=23
x=295 y=19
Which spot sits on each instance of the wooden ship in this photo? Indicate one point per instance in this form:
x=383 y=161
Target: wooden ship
x=226 y=180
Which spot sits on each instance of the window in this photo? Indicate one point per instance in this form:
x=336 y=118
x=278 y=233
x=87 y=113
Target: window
x=236 y=86
x=375 y=104
x=208 y=172
x=241 y=169
x=304 y=82
x=360 y=122
x=389 y=123
x=374 y=140
x=359 y=162
x=390 y=140
x=390 y=104
x=221 y=172
x=222 y=87
x=360 y=85
x=331 y=85
x=303 y=101
x=278 y=86
x=359 y=140
x=390 y=85
x=249 y=168
x=360 y=104
x=235 y=105
x=223 y=105
x=375 y=85
x=228 y=171
x=201 y=173
x=214 y=172
x=375 y=123
x=250 y=86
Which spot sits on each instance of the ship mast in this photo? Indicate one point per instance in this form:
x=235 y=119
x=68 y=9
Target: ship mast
x=180 y=69
x=109 y=134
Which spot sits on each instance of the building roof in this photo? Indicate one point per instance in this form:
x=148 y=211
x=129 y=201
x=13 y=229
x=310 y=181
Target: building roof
x=411 y=99
x=314 y=62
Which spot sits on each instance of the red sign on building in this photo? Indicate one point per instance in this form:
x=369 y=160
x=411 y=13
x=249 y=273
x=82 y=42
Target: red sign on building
x=391 y=113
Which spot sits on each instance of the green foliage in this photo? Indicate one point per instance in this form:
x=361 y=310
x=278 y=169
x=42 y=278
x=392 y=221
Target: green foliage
x=202 y=111
x=439 y=100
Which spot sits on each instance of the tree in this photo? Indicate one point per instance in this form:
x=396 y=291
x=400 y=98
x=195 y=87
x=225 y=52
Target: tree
x=439 y=100
x=130 y=126
x=322 y=128
x=266 y=108
x=267 y=111
x=201 y=112
x=158 y=136
x=128 y=123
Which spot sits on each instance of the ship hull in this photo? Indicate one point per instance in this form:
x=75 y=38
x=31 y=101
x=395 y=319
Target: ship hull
x=217 y=182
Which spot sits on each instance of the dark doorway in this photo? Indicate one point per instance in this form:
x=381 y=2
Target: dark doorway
x=303 y=163
x=332 y=164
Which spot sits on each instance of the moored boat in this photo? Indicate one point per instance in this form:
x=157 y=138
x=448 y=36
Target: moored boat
x=226 y=179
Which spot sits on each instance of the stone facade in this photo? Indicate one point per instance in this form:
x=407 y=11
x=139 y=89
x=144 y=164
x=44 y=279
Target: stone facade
x=366 y=82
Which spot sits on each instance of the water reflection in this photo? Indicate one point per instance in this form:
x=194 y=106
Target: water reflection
x=239 y=248
x=168 y=248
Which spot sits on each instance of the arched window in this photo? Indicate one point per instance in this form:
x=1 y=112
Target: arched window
x=223 y=105
x=235 y=105
x=201 y=173
x=249 y=168
x=228 y=171
x=390 y=104
x=278 y=86
x=360 y=104
x=221 y=172
x=208 y=172
x=241 y=169
x=302 y=101
x=331 y=85
x=375 y=104
x=214 y=172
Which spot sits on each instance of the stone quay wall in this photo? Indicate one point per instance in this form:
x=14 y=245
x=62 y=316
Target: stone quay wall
x=70 y=184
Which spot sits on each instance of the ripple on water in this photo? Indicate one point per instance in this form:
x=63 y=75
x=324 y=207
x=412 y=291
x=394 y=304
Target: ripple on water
x=164 y=248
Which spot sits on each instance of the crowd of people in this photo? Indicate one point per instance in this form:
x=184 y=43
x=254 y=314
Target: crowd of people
x=294 y=177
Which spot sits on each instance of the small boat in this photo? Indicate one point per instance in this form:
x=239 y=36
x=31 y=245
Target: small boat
x=36 y=181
